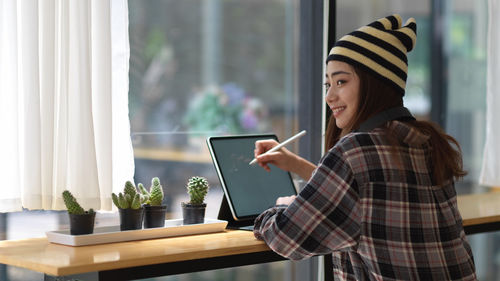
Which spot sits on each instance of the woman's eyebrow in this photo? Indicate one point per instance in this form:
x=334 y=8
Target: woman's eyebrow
x=337 y=73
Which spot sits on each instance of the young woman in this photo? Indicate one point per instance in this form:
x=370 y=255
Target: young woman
x=382 y=199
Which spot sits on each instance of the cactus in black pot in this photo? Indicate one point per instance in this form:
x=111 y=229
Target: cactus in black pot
x=129 y=205
x=194 y=210
x=80 y=221
x=154 y=208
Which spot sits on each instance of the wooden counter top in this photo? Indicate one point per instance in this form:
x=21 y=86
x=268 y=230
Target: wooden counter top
x=39 y=255
x=479 y=208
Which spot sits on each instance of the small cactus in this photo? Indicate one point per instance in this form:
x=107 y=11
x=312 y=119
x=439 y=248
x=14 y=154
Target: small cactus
x=142 y=189
x=130 y=189
x=154 y=196
x=156 y=192
x=136 y=202
x=72 y=205
x=197 y=189
x=115 y=199
x=130 y=198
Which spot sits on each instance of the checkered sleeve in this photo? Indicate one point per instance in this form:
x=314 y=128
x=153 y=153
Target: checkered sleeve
x=323 y=218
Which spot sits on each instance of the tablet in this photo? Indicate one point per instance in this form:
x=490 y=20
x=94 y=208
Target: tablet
x=249 y=189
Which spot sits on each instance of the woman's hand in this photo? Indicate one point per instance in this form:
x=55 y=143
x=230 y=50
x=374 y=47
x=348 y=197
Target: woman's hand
x=287 y=200
x=283 y=158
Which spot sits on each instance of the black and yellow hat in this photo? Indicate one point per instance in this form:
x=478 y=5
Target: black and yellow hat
x=379 y=48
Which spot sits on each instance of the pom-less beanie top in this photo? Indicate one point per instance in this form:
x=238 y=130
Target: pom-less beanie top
x=379 y=48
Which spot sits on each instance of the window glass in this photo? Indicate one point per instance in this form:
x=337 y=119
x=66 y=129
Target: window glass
x=198 y=68
x=465 y=43
x=203 y=68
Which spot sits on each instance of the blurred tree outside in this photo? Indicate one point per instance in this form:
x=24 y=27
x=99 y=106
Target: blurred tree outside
x=168 y=42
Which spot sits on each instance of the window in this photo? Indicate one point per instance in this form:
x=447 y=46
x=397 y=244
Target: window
x=203 y=68
x=465 y=49
x=209 y=67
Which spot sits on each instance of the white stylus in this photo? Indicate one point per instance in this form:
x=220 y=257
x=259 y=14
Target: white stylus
x=279 y=146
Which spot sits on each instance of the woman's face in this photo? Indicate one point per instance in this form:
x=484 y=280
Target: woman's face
x=342 y=95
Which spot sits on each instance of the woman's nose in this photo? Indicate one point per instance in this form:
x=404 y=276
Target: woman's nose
x=330 y=96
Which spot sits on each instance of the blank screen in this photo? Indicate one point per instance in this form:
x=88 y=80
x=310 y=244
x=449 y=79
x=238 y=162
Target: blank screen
x=250 y=189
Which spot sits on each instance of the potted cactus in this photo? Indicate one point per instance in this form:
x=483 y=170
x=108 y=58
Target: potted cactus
x=80 y=221
x=154 y=209
x=129 y=205
x=194 y=210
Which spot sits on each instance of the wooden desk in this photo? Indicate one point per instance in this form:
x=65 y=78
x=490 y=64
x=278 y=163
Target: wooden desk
x=139 y=259
x=176 y=255
x=480 y=212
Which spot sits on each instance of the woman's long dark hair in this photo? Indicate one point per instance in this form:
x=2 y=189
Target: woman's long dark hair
x=375 y=97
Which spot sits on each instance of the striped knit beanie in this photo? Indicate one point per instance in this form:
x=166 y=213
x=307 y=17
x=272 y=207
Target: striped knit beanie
x=379 y=48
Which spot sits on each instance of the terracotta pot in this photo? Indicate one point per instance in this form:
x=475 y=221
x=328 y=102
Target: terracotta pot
x=193 y=213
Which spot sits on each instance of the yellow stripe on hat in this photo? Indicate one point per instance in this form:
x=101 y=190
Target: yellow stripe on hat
x=389 y=38
x=369 y=63
x=388 y=24
x=408 y=31
x=378 y=50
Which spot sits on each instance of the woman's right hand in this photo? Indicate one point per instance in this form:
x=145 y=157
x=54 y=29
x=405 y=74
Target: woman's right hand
x=283 y=158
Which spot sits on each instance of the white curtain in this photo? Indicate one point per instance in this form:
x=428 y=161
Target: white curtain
x=490 y=172
x=63 y=102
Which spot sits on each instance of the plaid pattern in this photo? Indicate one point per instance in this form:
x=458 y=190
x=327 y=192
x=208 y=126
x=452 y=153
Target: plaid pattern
x=376 y=212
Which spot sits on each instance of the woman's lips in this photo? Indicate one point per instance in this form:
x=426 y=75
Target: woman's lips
x=338 y=110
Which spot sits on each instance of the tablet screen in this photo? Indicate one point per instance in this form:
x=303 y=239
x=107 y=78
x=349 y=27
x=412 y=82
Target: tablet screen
x=249 y=189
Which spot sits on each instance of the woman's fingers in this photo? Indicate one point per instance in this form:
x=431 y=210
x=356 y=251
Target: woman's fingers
x=262 y=146
x=280 y=158
x=266 y=167
x=277 y=158
x=268 y=157
x=263 y=164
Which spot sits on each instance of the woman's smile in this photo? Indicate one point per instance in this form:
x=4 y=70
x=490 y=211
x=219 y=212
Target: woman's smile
x=338 y=110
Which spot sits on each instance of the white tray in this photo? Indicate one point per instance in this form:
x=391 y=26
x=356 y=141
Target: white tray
x=110 y=234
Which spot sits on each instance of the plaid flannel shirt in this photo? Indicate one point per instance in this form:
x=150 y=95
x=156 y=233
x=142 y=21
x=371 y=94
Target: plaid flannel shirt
x=376 y=212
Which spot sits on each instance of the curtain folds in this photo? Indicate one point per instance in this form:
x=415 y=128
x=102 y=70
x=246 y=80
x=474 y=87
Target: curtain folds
x=490 y=171
x=63 y=102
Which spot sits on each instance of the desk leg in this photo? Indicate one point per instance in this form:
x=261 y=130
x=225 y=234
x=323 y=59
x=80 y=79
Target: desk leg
x=92 y=276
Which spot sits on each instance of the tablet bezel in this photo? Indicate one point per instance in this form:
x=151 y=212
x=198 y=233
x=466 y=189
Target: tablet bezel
x=221 y=176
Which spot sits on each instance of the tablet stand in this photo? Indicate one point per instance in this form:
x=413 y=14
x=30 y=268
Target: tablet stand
x=225 y=214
